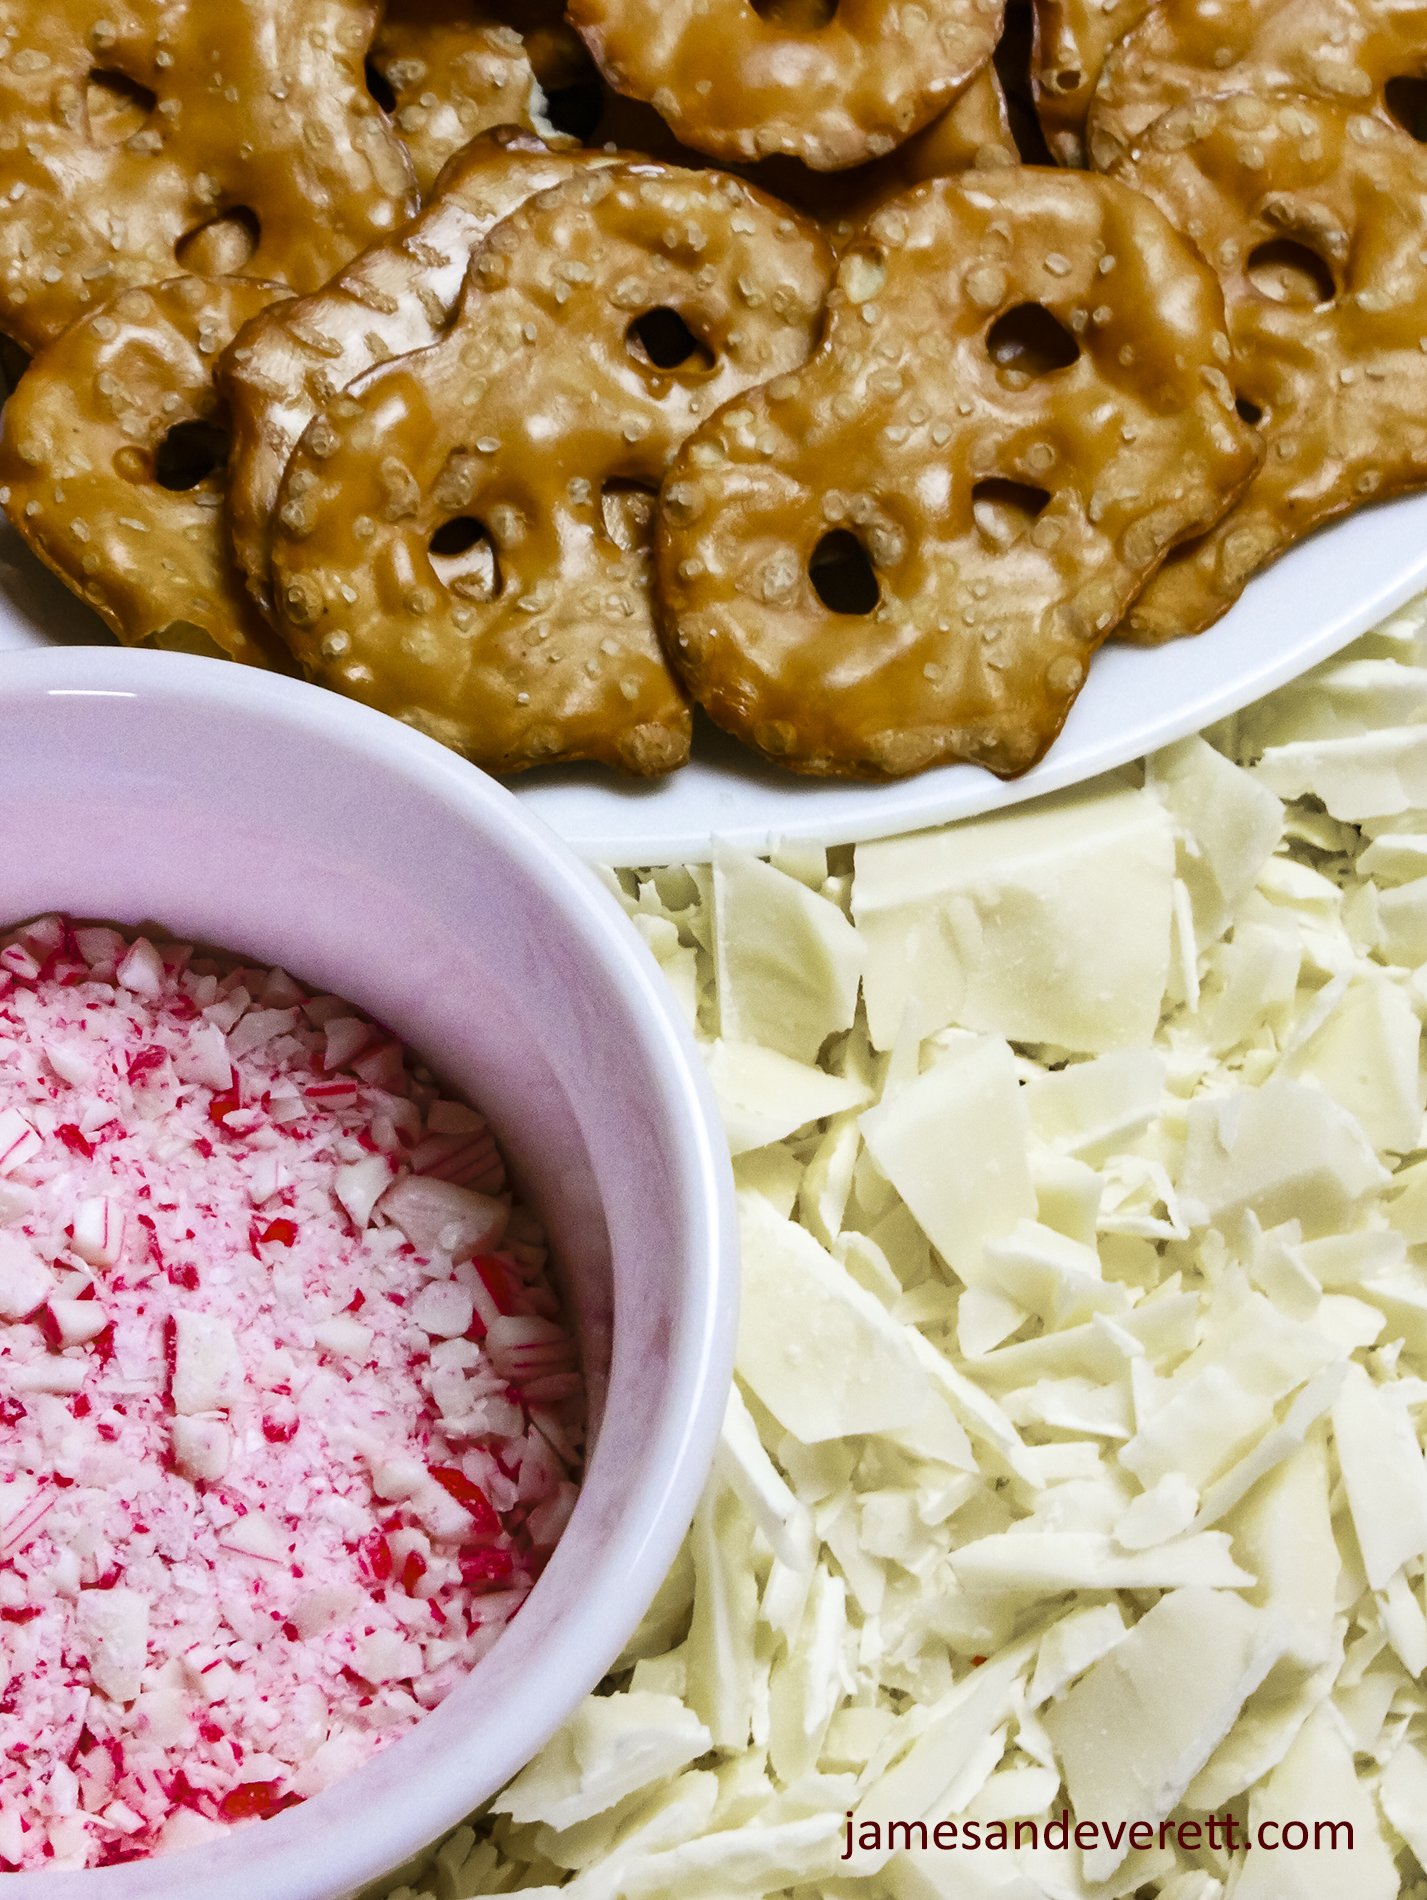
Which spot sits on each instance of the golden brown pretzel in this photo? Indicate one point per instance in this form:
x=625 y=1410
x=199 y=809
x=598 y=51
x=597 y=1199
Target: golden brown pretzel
x=531 y=419
x=973 y=133
x=398 y=296
x=1346 y=50
x=742 y=84
x=1072 y=41
x=113 y=459
x=1315 y=219
x=1018 y=405
x=124 y=131
x=452 y=74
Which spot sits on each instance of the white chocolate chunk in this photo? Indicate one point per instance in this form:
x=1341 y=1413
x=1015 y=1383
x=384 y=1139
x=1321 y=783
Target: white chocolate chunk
x=953 y=1144
x=1158 y=1514
x=1044 y=1562
x=1365 y=1056
x=1365 y=776
x=763 y=1096
x=788 y=961
x=207 y=1369
x=1070 y=1646
x=1208 y=1423
x=1133 y=1733
x=386 y=1657
x=999 y=925
x=1228 y=825
x=113 y=1628
x=1384 y=1473
x=611 y=1747
x=820 y=1353
x=1403 y=1793
x=254 y=1535
x=325 y=1609
x=1095 y=1109
x=1315 y=1784
x=1286 y=1151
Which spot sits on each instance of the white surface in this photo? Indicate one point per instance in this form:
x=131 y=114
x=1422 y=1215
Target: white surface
x=1321 y=595
x=294 y=827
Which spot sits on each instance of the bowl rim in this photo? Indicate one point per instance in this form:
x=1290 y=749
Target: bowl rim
x=299 y=1855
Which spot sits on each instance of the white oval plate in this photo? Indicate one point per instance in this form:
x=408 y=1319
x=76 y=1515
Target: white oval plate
x=1321 y=595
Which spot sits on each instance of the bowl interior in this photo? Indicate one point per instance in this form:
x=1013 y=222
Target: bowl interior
x=294 y=828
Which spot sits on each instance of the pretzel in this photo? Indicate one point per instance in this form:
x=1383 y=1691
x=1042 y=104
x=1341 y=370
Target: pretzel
x=451 y=75
x=532 y=418
x=112 y=466
x=1345 y=50
x=974 y=132
x=1315 y=219
x=397 y=296
x=1072 y=40
x=740 y=84
x=1018 y=406
x=127 y=131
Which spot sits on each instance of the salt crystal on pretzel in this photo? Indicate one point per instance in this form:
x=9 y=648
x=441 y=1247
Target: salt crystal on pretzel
x=1315 y=219
x=112 y=466
x=1018 y=406
x=127 y=131
x=599 y=323
x=398 y=296
x=1351 y=51
x=832 y=87
x=451 y=75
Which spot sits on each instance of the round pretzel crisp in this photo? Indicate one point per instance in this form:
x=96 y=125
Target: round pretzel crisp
x=1019 y=404
x=112 y=466
x=396 y=297
x=599 y=322
x=1350 y=51
x=974 y=133
x=1315 y=219
x=1071 y=42
x=742 y=84
x=451 y=76
x=127 y=131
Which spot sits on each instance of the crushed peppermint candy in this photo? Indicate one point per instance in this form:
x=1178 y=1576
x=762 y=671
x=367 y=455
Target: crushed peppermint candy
x=289 y=1419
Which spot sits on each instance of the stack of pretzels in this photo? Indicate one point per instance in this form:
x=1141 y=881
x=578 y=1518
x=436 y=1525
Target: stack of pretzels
x=774 y=383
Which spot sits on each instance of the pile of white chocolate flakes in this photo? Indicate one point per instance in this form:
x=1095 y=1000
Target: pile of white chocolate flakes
x=1074 y=1457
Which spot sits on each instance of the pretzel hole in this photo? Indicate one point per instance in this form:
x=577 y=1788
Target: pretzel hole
x=1067 y=81
x=463 y=556
x=1286 y=271
x=627 y=510
x=662 y=338
x=1028 y=342
x=379 y=86
x=1406 y=100
x=223 y=246
x=189 y=454
x=117 y=106
x=1004 y=510
x=796 y=16
x=842 y=575
x=1249 y=412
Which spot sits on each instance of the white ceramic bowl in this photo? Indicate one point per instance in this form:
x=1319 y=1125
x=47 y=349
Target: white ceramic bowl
x=297 y=828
